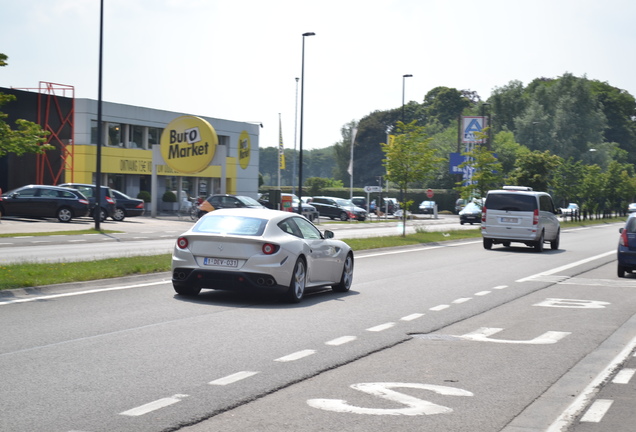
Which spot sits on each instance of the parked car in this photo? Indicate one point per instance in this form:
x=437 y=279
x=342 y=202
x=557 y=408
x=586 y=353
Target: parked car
x=459 y=205
x=471 y=213
x=106 y=201
x=427 y=207
x=338 y=208
x=389 y=206
x=519 y=214
x=571 y=210
x=626 y=253
x=631 y=208
x=360 y=202
x=309 y=211
x=44 y=201
x=220 y=201
x=266 y=250
x=127 y=206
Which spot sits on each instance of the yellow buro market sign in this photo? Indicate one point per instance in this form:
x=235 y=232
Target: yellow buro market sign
x=188 y=144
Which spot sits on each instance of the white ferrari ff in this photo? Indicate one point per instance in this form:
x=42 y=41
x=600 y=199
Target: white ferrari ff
x=268 y=250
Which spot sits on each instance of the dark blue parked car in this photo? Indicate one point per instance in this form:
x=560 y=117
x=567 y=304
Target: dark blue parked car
x=627 y=247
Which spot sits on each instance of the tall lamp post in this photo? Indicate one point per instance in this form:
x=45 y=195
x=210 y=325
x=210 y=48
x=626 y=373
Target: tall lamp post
x=403 y=79
x=300 y=144
x=483 y=119
x=295 y=136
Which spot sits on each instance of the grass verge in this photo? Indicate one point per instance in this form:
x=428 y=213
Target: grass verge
x=33 y=274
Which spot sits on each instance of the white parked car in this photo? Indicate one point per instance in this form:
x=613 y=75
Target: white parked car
x=571 y=209
x=264 y=250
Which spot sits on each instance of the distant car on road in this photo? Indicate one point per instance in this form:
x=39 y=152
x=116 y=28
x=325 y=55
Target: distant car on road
x=631 y=208
x=263 y=250
x=338 y=208
x=427 y=207
x=471 y=213
x=44 y=201
x=571 y=210
x=127 y=206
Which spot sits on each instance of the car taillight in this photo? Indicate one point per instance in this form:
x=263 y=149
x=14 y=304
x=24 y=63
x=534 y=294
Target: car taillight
x=109 y=200
x=182 y=243
x=140 y=206
x=351 y=215
x=535 y=217
x=483 y=214
x=623 y=240
x=82 y=201
x=270 y=248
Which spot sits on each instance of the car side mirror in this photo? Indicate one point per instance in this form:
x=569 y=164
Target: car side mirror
x=328 y=234
x=620 y=230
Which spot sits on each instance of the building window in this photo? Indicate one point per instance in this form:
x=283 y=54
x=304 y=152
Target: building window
x=114 y=134
x=154 y=135
x=93 y=131
x=136 y=137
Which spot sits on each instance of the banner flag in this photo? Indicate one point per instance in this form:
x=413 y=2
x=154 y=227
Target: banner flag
x=281 y=150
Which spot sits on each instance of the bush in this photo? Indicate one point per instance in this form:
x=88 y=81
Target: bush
x=169 y=196
x=144 y=195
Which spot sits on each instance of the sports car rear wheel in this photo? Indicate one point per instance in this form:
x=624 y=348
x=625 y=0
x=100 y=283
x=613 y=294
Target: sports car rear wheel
x=297 y=284
x=347 y=276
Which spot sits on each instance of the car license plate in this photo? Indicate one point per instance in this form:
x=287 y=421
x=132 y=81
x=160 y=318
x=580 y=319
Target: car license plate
x=221 y=262
x=509 y=219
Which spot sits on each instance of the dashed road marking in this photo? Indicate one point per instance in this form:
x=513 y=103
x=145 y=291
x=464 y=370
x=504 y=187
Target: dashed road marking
x=296 y=356
x=624 y=376
x=381 y=327
x=439 y=308
x=153 y=406
x=231 y=379
x=597 y=411
x=341 y=340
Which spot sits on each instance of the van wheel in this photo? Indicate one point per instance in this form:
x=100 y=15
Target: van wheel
x=538 y=246
x=554 y=244
x=487 y=243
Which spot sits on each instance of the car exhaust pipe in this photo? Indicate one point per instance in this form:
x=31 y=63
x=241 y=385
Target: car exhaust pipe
x=270 y=282
x=179 y=275
x=260 y=281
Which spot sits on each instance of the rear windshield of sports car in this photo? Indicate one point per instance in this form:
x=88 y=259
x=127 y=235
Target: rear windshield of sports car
x=511 y=202
x=232 y=225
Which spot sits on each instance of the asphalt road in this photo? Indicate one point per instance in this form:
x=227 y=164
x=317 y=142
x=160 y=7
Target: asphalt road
x=447 y=337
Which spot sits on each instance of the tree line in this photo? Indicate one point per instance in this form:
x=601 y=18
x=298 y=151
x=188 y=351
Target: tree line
x=571 y=136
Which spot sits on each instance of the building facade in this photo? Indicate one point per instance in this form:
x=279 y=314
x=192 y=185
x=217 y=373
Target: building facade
x=128 y=136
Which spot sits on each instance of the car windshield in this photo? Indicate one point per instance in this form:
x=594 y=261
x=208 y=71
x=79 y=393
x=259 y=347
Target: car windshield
x=248 y=201
x=471 y=207
x=234 y=225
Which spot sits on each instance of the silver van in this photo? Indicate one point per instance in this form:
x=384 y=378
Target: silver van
x=519 y=214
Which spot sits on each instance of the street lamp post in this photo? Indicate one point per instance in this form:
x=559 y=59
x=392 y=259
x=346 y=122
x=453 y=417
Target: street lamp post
x=295 y=136
x=483 y=119
x=403 y=79
x=300 y=144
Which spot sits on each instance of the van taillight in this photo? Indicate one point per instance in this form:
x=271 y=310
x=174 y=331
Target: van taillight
x=535 y=217
x=623 y=240
x=483 y=214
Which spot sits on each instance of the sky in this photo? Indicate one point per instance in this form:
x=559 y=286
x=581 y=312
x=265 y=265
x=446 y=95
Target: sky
x=239 y=59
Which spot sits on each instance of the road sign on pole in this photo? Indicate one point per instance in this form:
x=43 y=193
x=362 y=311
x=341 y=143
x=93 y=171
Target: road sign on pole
x=372 y=189
x=429 y=193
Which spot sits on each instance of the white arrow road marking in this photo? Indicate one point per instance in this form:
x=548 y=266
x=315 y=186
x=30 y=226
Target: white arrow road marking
x=414 y=405
x=482 y=334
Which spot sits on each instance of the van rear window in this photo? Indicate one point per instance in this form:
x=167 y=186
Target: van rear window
x=511 y=202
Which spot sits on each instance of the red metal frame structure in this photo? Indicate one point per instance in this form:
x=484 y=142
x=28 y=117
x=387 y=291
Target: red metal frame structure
x=48 y=105
x=59 y=121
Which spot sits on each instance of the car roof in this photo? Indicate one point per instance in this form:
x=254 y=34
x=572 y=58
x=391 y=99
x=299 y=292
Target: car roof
x=275 y=215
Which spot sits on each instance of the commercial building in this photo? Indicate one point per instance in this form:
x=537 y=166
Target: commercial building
x=128 y=136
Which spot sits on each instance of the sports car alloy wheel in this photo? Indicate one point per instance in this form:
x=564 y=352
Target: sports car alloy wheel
x=347 y=276
x=297 y=284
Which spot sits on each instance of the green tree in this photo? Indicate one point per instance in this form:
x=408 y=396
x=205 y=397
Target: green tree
x=486 y=173
x=445 y=104
x=535 y=169
x=409 y=157
x=28 y=137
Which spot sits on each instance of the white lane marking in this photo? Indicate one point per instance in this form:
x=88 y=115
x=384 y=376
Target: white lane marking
x=381 y=327
x=139 y=238
x=483 y=293
x=77 y=241
x=597 y=411
x=567 y=266
x=500 y=287
x=230 y=379
x=296 y=356
x=341 y=340
x=76 y=293
x=412 y=317
x=439 y=308
x=415 y=250
x=624 y=376
x=587 y=393
x=41 y=241
x=153 y=406
x=462 y=300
